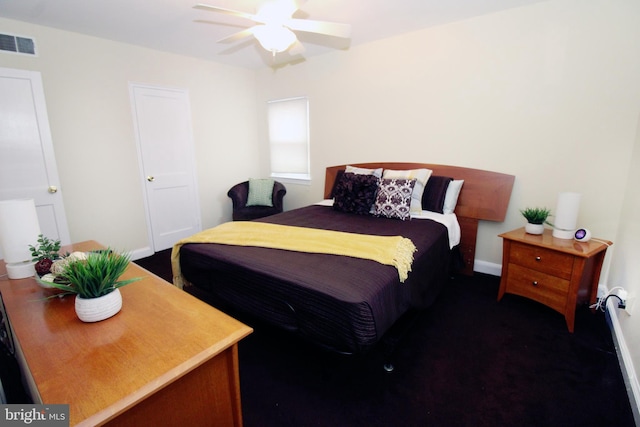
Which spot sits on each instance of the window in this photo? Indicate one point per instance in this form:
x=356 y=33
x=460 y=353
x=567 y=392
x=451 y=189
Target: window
x=289 y=137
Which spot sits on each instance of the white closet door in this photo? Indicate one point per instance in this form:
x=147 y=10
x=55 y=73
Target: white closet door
x=162 y=121
x=27 y=163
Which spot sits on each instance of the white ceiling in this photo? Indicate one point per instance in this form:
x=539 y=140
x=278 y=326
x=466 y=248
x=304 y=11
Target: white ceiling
x=174 y=26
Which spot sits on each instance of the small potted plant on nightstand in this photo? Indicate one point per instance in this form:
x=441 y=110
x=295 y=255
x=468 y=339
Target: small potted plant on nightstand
x=94 y=279
x=536 y=218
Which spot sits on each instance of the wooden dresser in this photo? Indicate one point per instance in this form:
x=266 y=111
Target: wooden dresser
x=165 y=359
x=559 y=273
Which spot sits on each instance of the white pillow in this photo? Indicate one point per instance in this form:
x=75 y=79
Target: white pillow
x=420 y=175
x=364 y=171
x=451 y=198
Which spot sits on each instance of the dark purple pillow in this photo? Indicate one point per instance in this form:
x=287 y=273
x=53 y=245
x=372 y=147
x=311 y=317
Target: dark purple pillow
x=335 y=183
x=435 y=192
x=355 y=193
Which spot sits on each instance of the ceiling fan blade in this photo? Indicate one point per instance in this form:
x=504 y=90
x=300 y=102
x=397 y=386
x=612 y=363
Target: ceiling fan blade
x=321 y=27
x=276 y=11
x=237 y=36
x=231 y=12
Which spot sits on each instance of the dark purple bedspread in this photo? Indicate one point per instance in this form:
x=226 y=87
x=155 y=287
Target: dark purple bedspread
x=341 y=303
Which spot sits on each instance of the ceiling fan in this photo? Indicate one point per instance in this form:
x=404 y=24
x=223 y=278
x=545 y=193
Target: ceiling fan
x=274 y=26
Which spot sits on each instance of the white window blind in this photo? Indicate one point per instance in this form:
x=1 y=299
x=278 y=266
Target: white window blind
x=289 y=137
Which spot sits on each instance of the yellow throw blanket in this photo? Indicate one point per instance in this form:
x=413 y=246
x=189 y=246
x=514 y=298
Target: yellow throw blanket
x=389 y=250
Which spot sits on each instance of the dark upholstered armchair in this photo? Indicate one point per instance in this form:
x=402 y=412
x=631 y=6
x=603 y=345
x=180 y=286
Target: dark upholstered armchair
x=242 y=212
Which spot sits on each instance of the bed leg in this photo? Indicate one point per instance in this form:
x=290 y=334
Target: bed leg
x=394 y=336
x=389 y=346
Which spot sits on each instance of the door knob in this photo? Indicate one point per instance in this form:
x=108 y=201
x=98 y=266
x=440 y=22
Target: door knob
x=150 y=178
x=52 y=189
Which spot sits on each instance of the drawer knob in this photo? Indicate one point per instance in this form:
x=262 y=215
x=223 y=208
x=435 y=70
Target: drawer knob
x=538 y=258
x=534 y=283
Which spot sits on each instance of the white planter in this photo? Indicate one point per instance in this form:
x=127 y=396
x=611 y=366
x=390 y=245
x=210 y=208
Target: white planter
x=534 y=228
x=97 y=309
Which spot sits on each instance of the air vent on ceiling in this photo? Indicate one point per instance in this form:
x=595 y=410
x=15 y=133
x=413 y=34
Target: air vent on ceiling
x=16 y=44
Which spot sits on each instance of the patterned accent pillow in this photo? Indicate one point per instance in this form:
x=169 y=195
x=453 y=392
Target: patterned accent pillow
x=394 y=198
x=260 y=192
x=355 y=193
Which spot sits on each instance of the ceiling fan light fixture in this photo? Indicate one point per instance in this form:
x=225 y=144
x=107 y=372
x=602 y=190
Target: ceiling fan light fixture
x=274 y=38
x=274 y=26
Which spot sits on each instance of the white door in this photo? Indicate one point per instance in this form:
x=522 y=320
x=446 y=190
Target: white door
x=27 y=164
x=162 y=122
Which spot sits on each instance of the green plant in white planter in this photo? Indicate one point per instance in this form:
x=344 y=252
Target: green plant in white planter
x=94 y=279
x=536 y=218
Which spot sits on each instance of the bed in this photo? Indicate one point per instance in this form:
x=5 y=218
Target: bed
x=347 y=304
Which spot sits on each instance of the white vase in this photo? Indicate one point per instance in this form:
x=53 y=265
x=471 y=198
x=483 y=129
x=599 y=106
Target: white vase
x=534 y=228
x=97 y=309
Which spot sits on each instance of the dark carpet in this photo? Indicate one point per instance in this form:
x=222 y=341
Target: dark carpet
x=467 y=361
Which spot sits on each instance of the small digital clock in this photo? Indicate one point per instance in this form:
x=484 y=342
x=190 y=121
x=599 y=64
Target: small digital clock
x=582 y=235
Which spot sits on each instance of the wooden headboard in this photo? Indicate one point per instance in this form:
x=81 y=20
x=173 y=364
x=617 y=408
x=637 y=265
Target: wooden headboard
x=484 y=196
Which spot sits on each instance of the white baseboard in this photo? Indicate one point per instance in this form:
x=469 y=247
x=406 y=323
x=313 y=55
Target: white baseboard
x=487 y=267
x=624 y=357
x=141 y=253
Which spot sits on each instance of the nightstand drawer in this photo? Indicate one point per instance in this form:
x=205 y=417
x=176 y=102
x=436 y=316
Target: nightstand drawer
x=547 y=289
x=544 y=260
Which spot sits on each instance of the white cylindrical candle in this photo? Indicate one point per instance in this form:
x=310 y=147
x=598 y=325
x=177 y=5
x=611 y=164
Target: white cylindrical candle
x=566 y=215
x=19 y=228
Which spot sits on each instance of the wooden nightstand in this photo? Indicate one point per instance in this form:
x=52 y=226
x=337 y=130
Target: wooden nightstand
x=559 y=273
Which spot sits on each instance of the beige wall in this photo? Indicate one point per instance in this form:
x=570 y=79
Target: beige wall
x=86 y=84
x=548 y=93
